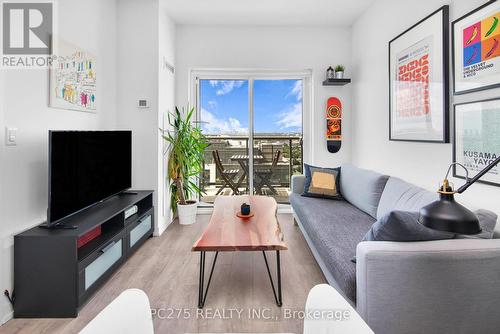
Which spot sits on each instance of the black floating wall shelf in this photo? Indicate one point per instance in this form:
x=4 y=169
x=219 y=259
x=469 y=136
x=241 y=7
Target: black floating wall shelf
x=336 y=82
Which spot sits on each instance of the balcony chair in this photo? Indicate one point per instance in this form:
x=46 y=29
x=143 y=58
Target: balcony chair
x=227 y=176
x=263 y=176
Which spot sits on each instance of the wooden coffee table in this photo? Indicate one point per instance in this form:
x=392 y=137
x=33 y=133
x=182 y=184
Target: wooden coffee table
x=228 y=233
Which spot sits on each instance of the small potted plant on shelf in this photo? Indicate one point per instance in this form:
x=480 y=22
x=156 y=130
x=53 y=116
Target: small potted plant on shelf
x=339 y=71
x=186 y=145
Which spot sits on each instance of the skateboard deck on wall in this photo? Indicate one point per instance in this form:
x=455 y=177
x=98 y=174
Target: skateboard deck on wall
x=333 y=125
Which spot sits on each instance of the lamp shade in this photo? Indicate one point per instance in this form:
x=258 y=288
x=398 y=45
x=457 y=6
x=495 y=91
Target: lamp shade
x=448 y=215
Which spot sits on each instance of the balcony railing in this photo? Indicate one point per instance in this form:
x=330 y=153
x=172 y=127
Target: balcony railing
x=231 y=177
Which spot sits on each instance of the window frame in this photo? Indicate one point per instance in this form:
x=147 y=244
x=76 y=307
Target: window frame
x=250 y=75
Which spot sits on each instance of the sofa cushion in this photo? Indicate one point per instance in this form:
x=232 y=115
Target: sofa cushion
x=403 y=196
x=362 y=188
x=487 y=221
x=322 y=182
x=335 y=228
x=403 y=226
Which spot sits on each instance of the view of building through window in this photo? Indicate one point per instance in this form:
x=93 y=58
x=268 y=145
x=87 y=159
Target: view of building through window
x=227 y=119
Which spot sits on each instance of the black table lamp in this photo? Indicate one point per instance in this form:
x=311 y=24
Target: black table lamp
x=447 y=215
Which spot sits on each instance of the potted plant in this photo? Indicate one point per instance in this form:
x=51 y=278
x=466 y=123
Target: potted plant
x=339 y=71
x=186 y=145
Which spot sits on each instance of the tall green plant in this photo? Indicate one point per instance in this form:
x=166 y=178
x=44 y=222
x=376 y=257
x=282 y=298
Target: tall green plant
x=186 y=145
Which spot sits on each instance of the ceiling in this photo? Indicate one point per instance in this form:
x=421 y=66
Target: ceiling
x=266 y=12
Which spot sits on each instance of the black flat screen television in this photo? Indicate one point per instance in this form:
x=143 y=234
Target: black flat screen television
x=86 y=167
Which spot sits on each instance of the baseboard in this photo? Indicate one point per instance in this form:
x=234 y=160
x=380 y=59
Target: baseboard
x=158 y=232
x=205 y=210
x=6 y=275
x=285 y=209
x=7 y=317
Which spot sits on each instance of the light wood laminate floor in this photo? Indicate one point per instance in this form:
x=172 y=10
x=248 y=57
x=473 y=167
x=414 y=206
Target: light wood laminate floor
x=166 y=269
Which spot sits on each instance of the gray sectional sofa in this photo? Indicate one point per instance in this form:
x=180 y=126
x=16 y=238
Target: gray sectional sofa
x=446 y=286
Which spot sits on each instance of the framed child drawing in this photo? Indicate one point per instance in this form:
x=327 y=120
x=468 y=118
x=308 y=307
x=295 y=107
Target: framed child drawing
x=73 y=78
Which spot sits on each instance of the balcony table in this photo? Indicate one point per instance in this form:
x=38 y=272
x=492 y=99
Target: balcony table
x=242 y=160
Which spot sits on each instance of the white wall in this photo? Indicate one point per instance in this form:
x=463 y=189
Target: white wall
x=138 y=78
x=166 y=103
x=25 y=101
x=128 y=38
x=273 y=47
x=5 y=254
x=420 y=163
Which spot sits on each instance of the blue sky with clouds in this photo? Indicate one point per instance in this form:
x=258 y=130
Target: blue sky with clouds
x=277 y=106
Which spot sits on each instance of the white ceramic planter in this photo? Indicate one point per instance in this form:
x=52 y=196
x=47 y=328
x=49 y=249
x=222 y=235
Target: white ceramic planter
x=339 y=75
x=187 y=213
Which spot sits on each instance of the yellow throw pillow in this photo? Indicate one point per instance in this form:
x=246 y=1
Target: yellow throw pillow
x=322 y=182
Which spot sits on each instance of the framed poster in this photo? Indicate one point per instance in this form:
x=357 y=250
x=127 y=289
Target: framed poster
x=418 y=81
x=476 y=50
x=477 y=139
x=73 y=78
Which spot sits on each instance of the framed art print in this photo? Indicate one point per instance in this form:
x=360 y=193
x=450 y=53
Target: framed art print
x=73 y=78
x=476 y=49
x=477 y=139
x=418 y=81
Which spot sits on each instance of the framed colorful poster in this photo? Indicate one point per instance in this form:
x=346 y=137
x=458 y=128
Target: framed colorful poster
x=477 y=139
x=418 y=81
x=476 y=49
x=73 y=78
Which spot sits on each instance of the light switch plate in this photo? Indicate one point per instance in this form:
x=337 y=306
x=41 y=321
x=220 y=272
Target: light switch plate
x=10 y=136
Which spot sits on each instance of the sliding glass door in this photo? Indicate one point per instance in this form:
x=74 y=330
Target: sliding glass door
x=277 y=135
x=254 y=126
x=224 y=117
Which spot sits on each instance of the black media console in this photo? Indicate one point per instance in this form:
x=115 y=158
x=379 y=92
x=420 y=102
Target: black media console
x=53 y=278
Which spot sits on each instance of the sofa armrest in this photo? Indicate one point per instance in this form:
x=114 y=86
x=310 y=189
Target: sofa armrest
x=298 y=184
x=446 y=286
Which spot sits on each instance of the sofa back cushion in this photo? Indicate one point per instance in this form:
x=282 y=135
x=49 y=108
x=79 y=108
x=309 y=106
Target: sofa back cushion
x=362 y=188
x=403 y=226
x=403 y=196
x=487 y=221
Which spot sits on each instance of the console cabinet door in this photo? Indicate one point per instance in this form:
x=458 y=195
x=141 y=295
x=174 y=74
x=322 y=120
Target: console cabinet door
x=140 y=231
x=101 y=265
